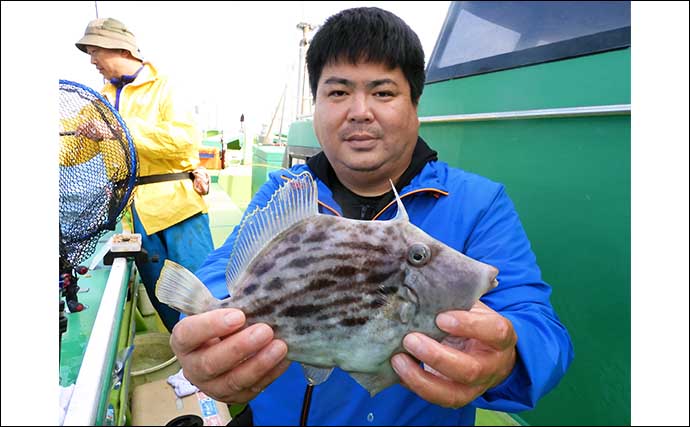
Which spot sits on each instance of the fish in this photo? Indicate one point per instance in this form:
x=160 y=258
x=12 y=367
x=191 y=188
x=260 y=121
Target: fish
x=340 y=292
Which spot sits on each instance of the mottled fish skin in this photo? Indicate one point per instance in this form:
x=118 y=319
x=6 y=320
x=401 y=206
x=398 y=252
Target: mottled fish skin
x=329 y=290
x=343 y=292
x=333 y=289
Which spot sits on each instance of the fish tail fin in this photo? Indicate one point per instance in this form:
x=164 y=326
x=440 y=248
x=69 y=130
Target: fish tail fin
x=182 y=290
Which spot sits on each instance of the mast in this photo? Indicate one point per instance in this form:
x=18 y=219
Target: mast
x=302 y=69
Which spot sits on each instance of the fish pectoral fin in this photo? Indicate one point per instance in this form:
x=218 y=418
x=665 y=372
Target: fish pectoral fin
x=316 y=375
x=377 y=381
x=407 y=312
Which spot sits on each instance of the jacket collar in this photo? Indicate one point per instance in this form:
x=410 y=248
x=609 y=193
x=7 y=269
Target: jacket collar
x=118 y=82
x=431 y=177
x=145 y=74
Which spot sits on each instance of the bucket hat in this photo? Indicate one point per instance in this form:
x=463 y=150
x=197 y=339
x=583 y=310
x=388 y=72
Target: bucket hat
x=109 y=33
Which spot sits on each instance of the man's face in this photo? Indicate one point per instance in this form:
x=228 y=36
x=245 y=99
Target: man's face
x=365 y=120
x=107 y=61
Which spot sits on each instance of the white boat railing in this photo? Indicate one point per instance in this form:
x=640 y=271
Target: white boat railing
x=96 y=368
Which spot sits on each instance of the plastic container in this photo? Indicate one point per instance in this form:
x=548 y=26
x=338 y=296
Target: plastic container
x=152 y=359
x=267 y=158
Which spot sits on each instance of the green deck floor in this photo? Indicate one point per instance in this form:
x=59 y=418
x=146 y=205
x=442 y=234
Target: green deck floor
x=223 y=214
x=79 y=325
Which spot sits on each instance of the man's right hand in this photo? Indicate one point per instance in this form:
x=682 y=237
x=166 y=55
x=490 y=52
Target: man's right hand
x=226 y=362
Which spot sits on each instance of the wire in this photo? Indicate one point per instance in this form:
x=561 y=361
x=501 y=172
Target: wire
x=306 y=403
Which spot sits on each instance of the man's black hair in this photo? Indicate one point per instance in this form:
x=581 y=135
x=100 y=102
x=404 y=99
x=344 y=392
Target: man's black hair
x=367 y=34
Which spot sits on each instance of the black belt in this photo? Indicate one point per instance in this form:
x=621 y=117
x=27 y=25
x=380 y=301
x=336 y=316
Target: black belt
x=150 y=179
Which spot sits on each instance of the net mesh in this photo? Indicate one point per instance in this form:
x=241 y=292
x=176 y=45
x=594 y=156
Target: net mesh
x=98 y=168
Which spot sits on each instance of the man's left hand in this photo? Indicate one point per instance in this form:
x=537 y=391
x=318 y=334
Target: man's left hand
x=478 y=354
x=202 y=180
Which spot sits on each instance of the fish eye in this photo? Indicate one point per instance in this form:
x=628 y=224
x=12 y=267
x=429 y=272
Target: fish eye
x=418 y=254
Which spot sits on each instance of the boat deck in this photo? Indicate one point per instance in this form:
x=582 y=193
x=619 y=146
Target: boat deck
x=223 y=214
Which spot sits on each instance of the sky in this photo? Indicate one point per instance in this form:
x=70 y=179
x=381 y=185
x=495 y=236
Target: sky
x=230 y=58
x=248 y=75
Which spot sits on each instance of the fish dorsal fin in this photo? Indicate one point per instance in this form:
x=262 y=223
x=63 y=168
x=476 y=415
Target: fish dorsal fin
x=316 y=375
x=401 y=215
x=294 y=201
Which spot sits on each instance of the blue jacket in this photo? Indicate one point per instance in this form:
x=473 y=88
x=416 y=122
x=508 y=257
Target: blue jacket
x=475 y=216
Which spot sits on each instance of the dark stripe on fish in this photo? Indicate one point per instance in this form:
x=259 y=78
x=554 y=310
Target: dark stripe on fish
x=263 y=310
x=312 y=259
x=377 y=303
x=354 y=321
x=287 y=251
x=344 y=301
x=373 y=263
x=340 y=228
x=306 y=310
x=303 y=329
x=250 y=289
x=363 y=246
x=343 y=271
x=334 y=315
x=301 y=262
x=263 y=267
x=319 y=284
x=378 y=277
x=337 y=272
x=301 y=310
x=319 y=236
x=275 y=284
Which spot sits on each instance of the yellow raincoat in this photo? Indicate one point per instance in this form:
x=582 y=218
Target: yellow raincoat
x=167 y=141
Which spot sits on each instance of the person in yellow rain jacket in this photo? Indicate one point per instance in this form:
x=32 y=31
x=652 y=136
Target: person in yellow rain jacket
x=168 y=208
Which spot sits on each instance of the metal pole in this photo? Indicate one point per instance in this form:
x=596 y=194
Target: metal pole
x=302 y=68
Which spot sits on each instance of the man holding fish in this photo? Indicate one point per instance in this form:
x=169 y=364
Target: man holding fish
x=388 y=296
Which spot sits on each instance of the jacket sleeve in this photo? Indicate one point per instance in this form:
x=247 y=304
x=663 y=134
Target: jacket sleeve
x=173 y=135
x=544 y=348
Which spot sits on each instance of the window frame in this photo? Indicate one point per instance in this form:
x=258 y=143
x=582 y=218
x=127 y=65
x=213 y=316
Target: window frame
x=579 y=46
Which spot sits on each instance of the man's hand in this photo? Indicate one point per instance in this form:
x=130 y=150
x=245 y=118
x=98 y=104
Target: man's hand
x=478 y=354
x=226 y=362
x=95 y=130
x=202 y=180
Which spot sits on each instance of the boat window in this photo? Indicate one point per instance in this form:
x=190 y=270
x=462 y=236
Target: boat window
x=480 y=37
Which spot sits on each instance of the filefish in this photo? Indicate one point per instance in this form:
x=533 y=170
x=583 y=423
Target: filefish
x=340 y=292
